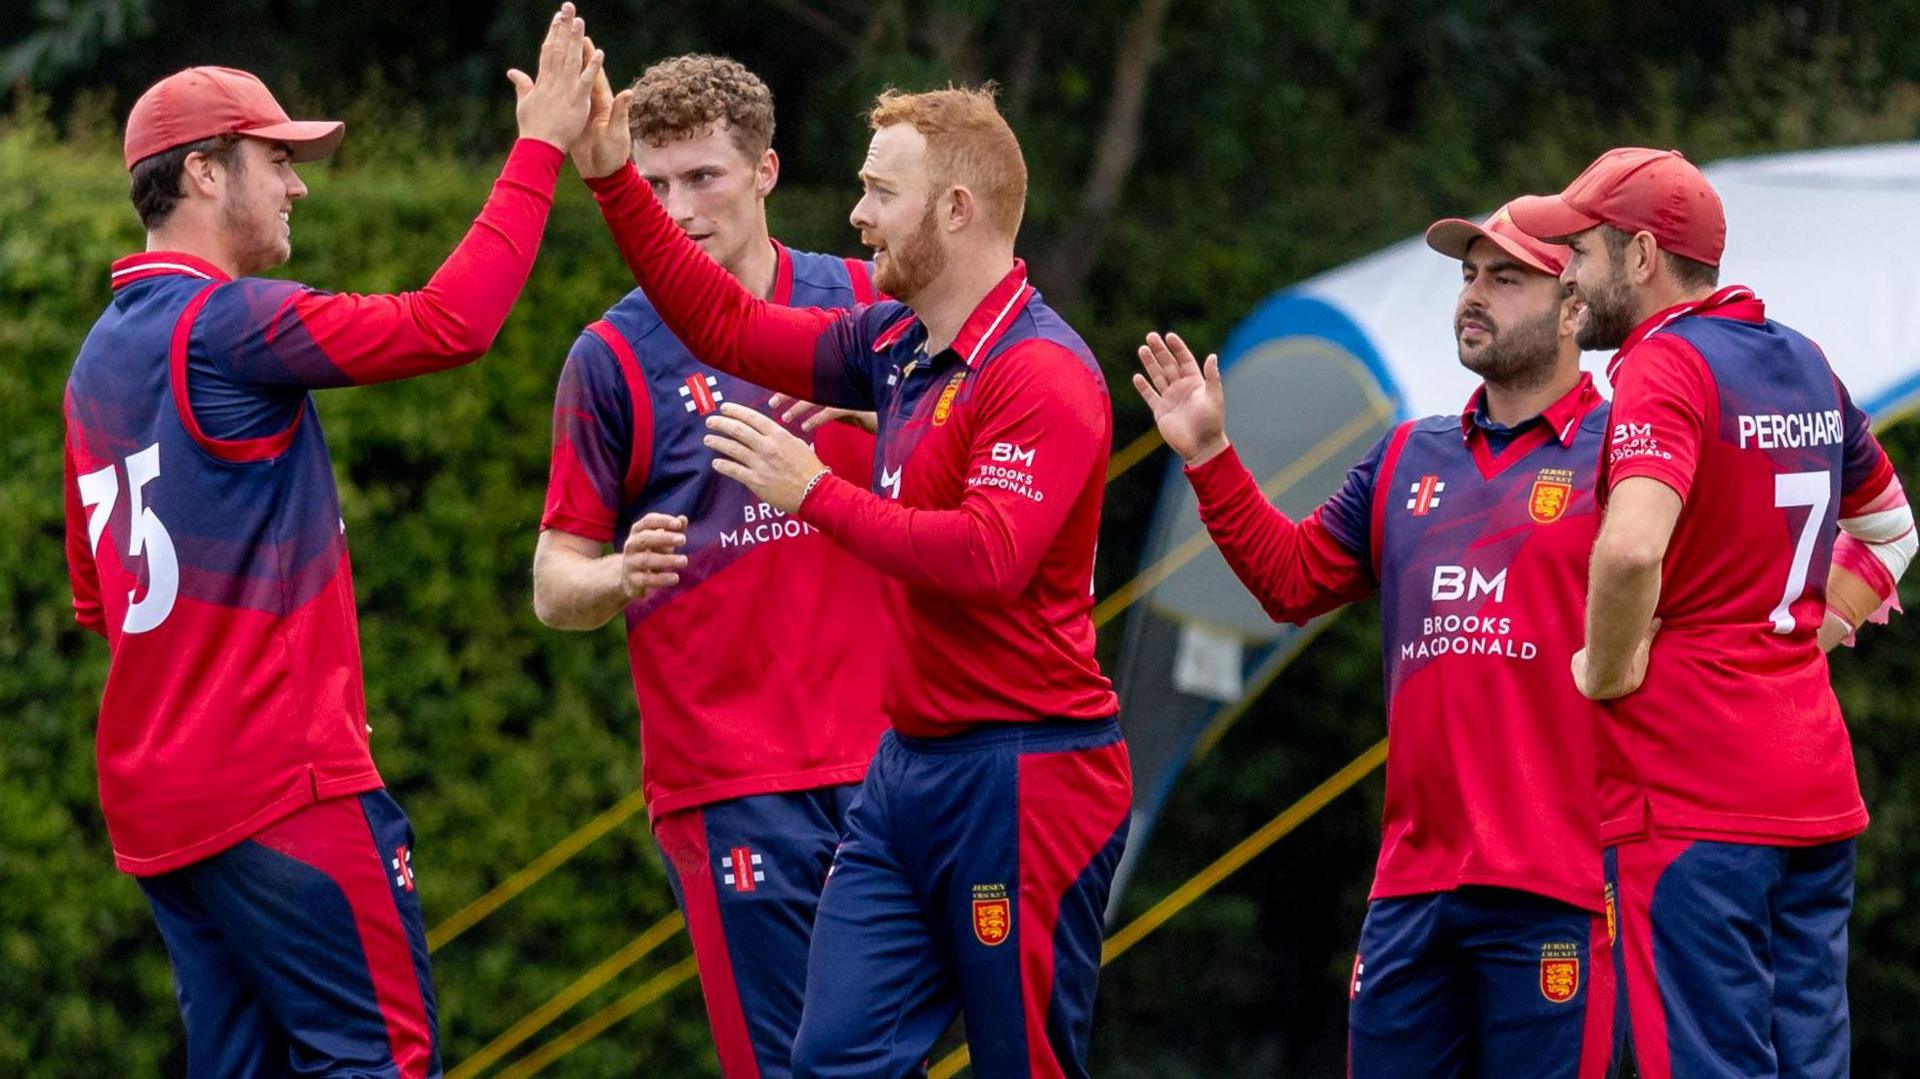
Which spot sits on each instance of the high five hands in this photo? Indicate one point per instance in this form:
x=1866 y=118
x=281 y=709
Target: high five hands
x=555 y=103
x=1189 y=405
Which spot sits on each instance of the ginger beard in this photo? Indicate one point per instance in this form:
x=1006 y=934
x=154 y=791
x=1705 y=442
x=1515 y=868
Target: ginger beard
x=913 y=264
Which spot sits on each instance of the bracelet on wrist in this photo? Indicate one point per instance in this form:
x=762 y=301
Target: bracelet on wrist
x=811 y=484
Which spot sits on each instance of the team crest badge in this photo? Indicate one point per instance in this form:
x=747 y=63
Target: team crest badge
x=1559 y=972
x=1612 y=929
x=944 y=406
x=1552 y=490
x=992 y=913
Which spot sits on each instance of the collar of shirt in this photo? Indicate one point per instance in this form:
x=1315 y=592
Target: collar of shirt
x=782 y=293
x=1732 y=301
x=164 y=264
x=989 y=321
x=1561 y=417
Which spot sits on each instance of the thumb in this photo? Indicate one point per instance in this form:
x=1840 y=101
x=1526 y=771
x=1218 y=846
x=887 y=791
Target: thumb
x=1211 y=371
x=522 y=85
x=622 y=105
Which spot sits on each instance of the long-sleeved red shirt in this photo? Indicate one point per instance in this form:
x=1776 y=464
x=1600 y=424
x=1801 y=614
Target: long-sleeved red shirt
x=204 y=537
x=990 y=469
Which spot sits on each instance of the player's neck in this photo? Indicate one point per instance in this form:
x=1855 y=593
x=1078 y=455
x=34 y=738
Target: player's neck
x=1512 y=404
x=197 y=243
x=1666 y=294
x=757 y=266
x=945 y=305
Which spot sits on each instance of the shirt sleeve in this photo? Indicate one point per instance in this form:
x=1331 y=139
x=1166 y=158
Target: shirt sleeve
x=821 y=355
x=1662 y=404
x=1865 y=471
x=596 y=414
x=1042 y=424
x=1296 y=570
x=269 y=333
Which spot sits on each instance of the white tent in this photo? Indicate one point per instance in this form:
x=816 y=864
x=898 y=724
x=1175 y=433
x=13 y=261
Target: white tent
x=1830 y=239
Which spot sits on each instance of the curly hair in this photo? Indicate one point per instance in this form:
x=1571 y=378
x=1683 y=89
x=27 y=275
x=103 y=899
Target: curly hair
x=968 y=143
x=690 y=96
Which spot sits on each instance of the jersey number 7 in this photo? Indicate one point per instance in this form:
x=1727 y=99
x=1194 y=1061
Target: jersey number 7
x=1791 y=489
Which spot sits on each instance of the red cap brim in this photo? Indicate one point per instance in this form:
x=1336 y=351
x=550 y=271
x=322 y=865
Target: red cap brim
x=1549 y=218
x=1452 y=236
x=310 y=140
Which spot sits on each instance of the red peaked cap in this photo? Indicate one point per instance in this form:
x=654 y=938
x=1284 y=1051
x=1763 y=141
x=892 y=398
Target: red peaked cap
x=1635 y=189
x=202 y=102
x=1452 y=236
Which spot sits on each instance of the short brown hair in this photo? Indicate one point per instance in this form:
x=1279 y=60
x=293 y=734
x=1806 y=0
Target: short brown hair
x=968 y=143
x=155 y=179
x=1691 y=273
x=687 y=97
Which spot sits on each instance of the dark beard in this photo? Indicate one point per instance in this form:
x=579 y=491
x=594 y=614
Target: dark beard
x=913 y=266
x=1609 y=316
x=1521 y=357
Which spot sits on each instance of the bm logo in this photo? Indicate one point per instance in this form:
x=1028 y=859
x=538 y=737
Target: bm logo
x=1458 y=582
x=1010 y=454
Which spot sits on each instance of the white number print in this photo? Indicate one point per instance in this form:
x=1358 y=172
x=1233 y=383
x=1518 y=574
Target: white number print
x=146 y=536
x=1813 y=490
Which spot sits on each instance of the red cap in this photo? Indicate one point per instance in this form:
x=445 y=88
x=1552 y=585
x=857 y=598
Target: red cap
x=1452 y=236
x=202 y=102
x=1636 y=190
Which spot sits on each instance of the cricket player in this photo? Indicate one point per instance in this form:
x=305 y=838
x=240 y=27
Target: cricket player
x=1485 y=950
x=205 y=543
x=1729 y=804
x=979 y=852
x=758 y=678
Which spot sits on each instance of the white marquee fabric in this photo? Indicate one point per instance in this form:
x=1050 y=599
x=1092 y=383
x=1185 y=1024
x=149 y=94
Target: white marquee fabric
x=1830 y=239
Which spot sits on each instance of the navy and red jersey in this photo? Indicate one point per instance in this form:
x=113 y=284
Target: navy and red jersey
x=1736 y=734
x=1477 y=538
x=766 y=602
x=991 y=463
x=204 y=536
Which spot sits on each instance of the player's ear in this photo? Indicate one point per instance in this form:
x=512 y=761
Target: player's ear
x=1643 y=257
x=767 y=173
x=1570 y=311
x=961 y=208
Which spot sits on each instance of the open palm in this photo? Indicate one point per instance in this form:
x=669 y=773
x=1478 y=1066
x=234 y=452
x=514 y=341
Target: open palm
x=1188 y=403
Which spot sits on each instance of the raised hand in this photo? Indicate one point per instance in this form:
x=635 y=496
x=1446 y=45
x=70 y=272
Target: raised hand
x=1189 y=405
x=651 y=559
x=812 y=416
x=555 y=103
x=605 y=143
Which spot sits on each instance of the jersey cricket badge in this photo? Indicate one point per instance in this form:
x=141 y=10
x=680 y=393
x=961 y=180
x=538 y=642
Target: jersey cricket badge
x=1552 y=490
x=1559 y=971
x=992 y=913
x=1612 y=929
x=944 y=406
x=402 y=865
